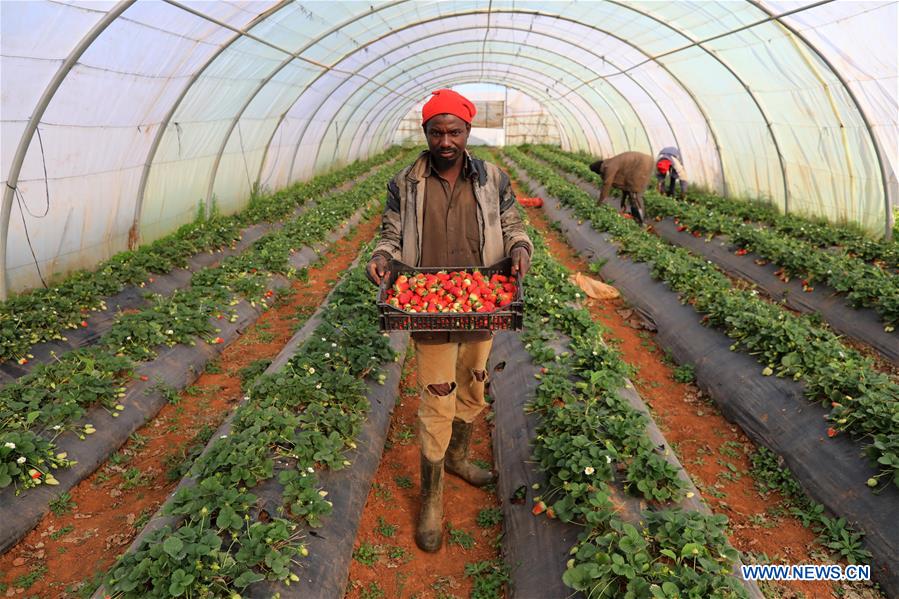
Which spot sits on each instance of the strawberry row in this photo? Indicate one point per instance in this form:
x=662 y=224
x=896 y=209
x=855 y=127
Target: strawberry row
x=37 y=408
x=858 y=323
x=864 y=285
x=294 y=423
x=863 y=401
x=45 y=314
x=819 y=233
x=589 y=438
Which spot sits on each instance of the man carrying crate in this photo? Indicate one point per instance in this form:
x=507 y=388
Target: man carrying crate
x=449 y=210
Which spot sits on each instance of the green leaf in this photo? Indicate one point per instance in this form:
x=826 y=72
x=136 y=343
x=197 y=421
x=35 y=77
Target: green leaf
x=173 y=546
x=692 y=550
x=248 y=578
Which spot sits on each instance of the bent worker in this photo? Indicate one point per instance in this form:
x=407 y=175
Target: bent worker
x=669 y=164
x=629 y=172
x=449 y=210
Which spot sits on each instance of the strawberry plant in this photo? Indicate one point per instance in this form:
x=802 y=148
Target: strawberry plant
x=26 y=460
x=52 y=396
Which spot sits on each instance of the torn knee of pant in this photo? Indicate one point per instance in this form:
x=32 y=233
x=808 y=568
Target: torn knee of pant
x=441 y=389
x=479 y=375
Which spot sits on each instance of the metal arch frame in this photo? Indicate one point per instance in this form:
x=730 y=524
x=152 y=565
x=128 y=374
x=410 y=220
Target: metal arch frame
x=888 y=230
x=356 y=91
x=549 y=51
x=395 y=110
x=397 y=113
x=534 y=91
x=676 y=79
x=295 y=56
x=587 y=67
x=331 y=31
x=390 y=123
x=213 y=172
x=452 y=78
x=469 y=13
x=134 y=234
x=359 y=69
x=698 y=44
x=588 y=51
x=246 y=33
x=28 y=134
x=510 y=63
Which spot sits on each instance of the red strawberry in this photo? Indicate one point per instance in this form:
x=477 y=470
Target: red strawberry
x=84 y=323
x=538 y=508
x=832 y=432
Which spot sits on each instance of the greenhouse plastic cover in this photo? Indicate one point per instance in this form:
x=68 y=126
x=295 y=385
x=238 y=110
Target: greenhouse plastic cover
x=121 y=119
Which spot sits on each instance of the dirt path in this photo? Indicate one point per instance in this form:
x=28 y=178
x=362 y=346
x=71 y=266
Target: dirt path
x=387 y=564
x=68 y=553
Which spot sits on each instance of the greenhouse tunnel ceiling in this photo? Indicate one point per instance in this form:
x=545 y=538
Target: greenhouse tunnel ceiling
x=121 y=120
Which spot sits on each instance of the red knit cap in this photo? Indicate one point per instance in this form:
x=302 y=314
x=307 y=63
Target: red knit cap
x=446 y=101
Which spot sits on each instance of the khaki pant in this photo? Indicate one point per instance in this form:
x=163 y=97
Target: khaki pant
x=463 y=366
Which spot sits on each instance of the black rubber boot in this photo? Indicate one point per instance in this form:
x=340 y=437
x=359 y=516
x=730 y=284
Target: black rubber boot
x=457 y=456
x=429 y=530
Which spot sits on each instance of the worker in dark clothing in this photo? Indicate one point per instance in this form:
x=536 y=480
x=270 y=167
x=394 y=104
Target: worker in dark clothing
x=669 y=164
x=629 y=172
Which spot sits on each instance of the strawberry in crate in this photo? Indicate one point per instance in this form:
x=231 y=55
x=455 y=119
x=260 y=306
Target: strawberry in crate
x=452 y=292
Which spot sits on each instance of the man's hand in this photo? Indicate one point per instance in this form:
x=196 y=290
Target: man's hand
x=521 y=261
x=376 y=269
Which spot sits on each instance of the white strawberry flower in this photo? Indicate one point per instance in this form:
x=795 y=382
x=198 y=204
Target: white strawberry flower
x=589 y=470
x=21 y=460
x=9 y=445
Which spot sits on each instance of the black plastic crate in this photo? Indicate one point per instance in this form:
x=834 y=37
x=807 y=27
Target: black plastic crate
x=507 y=318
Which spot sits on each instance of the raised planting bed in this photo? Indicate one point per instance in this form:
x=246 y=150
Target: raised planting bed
x=855 y=321
x=252 y=496
x=769 y=409
x=53 y=435
x=591 y=438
